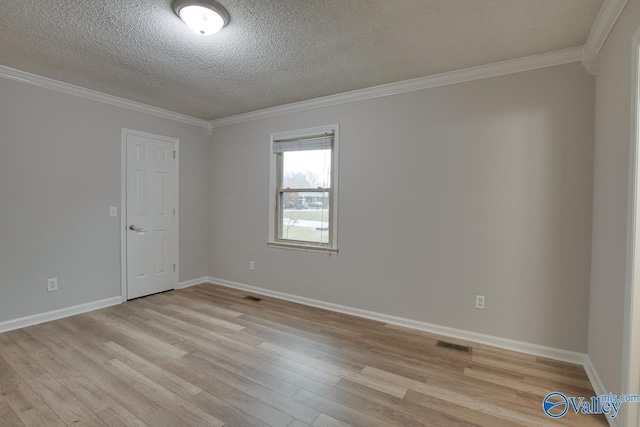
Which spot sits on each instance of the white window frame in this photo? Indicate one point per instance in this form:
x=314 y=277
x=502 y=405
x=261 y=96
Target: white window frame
x=274 y=214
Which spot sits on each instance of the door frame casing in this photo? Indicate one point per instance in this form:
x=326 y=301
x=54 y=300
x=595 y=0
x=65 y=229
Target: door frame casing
x=123 y=206
x=631 y=328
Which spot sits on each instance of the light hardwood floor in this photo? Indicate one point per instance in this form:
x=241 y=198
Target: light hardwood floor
x=206 y=356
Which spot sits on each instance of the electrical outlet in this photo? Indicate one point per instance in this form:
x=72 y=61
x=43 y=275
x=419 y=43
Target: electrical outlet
x=226 y=262
x=113 y=211
x=52 y=284
x=480 y=302
x=251 y=265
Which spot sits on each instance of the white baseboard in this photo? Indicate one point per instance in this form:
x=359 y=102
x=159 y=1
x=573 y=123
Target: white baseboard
x=519 y=346
x=193 y=282
x=598 y=385
x=596 y=381
x=23 y=322
x=508 y=344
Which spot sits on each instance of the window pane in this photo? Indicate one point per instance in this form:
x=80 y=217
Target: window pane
x=306 y=169
x=305 y=217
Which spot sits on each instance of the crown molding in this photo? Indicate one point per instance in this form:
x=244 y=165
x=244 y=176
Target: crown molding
x=590 y=60
x=549 y=59
x=58 y=86
x=606 y=19
x=604 y=23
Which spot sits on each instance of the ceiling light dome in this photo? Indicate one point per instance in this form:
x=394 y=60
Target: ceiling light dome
x=205 y=17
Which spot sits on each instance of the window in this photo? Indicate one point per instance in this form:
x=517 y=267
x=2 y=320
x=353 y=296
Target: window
x=303 y=198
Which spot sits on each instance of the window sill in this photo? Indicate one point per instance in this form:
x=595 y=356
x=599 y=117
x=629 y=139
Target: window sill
x=303 y=247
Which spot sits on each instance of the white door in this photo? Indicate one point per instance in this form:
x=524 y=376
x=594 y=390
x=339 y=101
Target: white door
x=150 y=214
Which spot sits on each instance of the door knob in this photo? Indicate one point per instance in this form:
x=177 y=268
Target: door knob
x=136 y=229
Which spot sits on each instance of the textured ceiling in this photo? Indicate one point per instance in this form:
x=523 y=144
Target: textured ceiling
x=274 y=52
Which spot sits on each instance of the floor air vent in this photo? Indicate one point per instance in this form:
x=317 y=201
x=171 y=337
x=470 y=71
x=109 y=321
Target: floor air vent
x=455 y=347
x=250 y=298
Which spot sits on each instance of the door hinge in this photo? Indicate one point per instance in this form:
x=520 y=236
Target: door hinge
x=174 y=267
x=174 y=154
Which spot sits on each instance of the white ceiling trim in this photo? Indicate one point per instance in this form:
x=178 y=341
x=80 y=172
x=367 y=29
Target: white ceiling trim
x=558 y=57
x=606 y=19
x=32 y=79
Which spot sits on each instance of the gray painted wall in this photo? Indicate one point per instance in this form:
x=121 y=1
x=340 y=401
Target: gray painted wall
x=482 y=188
x=59 y=173
x=611 y=178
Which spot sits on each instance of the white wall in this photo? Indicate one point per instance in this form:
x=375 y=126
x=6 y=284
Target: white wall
x=59 y=173
x=612 y=127
x=482 y=187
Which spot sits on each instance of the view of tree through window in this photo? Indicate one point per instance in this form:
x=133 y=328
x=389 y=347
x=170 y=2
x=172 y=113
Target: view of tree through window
x=305 y=213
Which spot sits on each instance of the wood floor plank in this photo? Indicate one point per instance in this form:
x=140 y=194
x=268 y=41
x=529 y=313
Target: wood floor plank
x=222 y=410
x=558 y=366
x=9 y=378
x=209 y=341
x=20 y=361
x=162 y=418
x=414 y=365
x=166 y=312
x=281 y=369
x=359 y=402
x=25 y=341
x=432 y=411
x=118 y=416
x=30 y=408
x=304 y=359
x=533 y=372
x=138 y=334
x=80 y=386
x=379 y=384
x=206 y=356
x=171 y=382
x=506 y=380
x=101 y=333
x=196 y=337
x=250 y=373
x=531 y=404
x=422 y=406
x=336 y=410
x=211 y=320
x=136 y=313
x=81 y=341
x=46 y=338
x=119 y=390
x=233 y=396
x=399 y=418
x=479 y=405
x=293 y=366
x=463 y=384
x=559 y=385
x=236 y=344
x=226 y=382
x=298 y=423
x=181 y=408
x=255 y=408
x=8 y=416
x=325 y=420
x=64 y=404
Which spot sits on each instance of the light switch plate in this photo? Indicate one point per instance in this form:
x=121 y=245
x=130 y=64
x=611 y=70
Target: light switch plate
x=113 y=211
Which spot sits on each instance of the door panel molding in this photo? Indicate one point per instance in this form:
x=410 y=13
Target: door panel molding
x=123 y=205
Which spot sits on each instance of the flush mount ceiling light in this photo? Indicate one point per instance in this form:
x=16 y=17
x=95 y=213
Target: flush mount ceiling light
x=205 y=17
